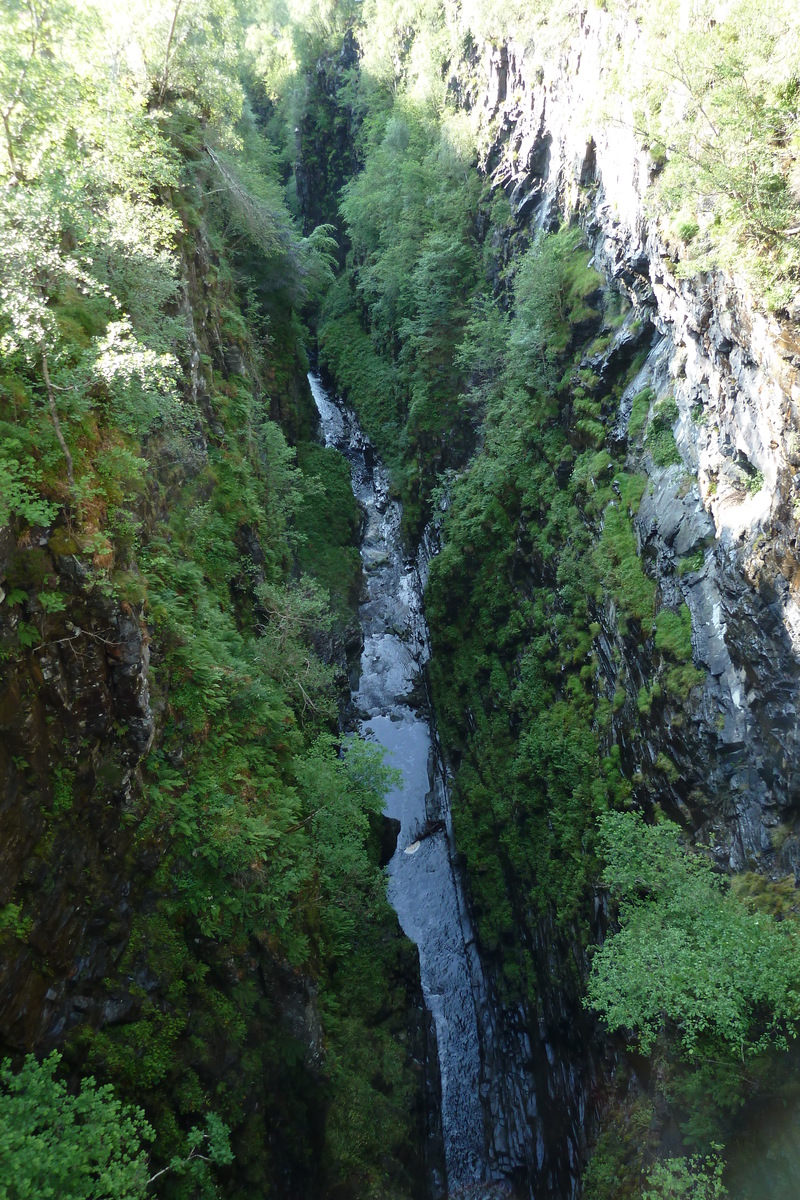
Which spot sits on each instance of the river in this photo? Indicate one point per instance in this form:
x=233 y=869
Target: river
x=424 y=889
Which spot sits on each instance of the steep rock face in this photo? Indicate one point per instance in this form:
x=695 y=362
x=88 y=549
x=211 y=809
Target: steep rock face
x=717 y=531
x=734 y=373
x=78 y=718
x=324 y=143
x=76 y=721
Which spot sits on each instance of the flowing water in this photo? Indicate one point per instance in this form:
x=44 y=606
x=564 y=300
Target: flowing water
x=423 y=887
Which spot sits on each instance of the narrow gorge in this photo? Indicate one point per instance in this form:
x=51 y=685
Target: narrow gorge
x=399 y=610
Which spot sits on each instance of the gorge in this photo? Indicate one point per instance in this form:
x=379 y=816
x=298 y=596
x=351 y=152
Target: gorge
x=528 y=532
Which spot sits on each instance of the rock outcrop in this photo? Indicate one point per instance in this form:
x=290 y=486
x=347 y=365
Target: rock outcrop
x=717 y=531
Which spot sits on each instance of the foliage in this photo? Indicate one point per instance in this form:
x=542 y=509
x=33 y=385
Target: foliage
x=721 y=99
x=674 y=633
x=512 y=668
x=640 y=410
x=132 y=158
x=53 y=1143
x=327 y=522
x=689 y=958
x=12 y=922
x=150 y=331
x=695 y=1178
x=411 y=272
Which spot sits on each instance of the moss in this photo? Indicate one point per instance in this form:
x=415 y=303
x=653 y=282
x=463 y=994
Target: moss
x=691 y=562
x=660 y=440
x=13 y=925
x=631 y=490
x=601 y=344
x=674 y=633
x=667 y=767
x=621 y=568
x=663 y=447
x=591 y=467
x=583 y=282
x=592 y=431
x=646 y=697
x=62 y=542
x=779 y=898
x=29 y=568
x=680 y=681
x=129 y=587
x=779 y=835
x=62 y=787
x=640 y=409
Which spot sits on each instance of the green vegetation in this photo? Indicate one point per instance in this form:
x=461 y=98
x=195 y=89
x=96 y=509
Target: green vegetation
x=660 y=440
x=640 y=410
x=689 y=959
x=155 y=463
x=88 y=1146
x=674 y=633
x=695 y=1178
x=705 y=980
x=754 y=482
x=151 y=333
x=411 y=269
x=464 y=349
x=56 y=1144
x=692 y=562
x=327 y=524
x=720 y=103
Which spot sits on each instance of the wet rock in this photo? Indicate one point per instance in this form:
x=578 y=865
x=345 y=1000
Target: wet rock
x=388 y=830
x=481 y=1156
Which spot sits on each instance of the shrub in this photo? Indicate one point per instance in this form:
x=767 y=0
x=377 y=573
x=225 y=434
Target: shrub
x=689 y=958
x=639 y=412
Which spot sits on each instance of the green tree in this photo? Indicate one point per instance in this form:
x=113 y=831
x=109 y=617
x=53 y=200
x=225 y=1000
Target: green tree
x=689 y=958
x=88 y=1145
x=75 y=1147
x=695 y=1178
x=720 y=99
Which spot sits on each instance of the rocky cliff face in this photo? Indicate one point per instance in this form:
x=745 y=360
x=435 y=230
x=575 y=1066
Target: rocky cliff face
x=734 y=373
x=717 y=530
x=76 y=721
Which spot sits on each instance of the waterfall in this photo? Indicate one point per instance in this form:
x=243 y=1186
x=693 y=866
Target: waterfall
x=424 y=889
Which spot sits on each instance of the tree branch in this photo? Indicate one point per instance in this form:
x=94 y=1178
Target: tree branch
x=8 y=111
x=193 y=1153
x=162 y=91
x=51 y=399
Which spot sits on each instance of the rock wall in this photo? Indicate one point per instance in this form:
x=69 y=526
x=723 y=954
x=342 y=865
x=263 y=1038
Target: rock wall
x=76 y=721
x=734 y=372
x=718 y=531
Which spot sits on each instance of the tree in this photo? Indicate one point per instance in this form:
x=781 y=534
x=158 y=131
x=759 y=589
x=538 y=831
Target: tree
x=74 y=1147
x=695 y=1178
x=720 y=100
x=688 y=956
x=56 y=1145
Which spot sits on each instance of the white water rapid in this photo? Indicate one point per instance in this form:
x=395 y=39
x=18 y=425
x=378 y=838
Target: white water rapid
x=423 y=888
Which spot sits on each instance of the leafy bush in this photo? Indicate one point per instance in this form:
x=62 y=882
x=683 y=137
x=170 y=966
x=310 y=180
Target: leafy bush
x=689 y=960
x=87 y=1146
x=695 y=1178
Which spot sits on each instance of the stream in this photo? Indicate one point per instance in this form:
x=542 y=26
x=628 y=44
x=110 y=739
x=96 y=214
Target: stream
x=424 y=889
